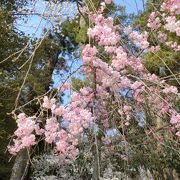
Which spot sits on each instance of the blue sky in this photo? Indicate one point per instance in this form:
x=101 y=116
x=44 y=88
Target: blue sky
x=34 y=21
x=35 y=24
x=132 y=6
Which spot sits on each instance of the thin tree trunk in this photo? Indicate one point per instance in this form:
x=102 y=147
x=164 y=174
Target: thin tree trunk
x=97 y=141
x=96 y=159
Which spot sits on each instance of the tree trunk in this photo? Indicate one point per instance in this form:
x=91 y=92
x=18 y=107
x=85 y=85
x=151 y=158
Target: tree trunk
x=21 y=164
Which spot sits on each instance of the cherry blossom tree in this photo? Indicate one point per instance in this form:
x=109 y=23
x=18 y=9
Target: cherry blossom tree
x=122 y=96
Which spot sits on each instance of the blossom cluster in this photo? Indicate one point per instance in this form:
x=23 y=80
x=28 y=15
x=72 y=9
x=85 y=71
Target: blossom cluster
x=172 y=25
x=171 y=5
x=24 y=133
x=154 y=22
x=77 y=117
x=165 y=21
x=103 y=32
x=140 y=39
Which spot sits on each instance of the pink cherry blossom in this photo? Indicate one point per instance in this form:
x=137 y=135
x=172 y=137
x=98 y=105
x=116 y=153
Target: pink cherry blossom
x=89 y=54
x=140 y=39
x=172 y=24
x=175 y=118
x=154 y=22
x=136 y=85
x=170 y=89
x=48 y=103
x=108 y=1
